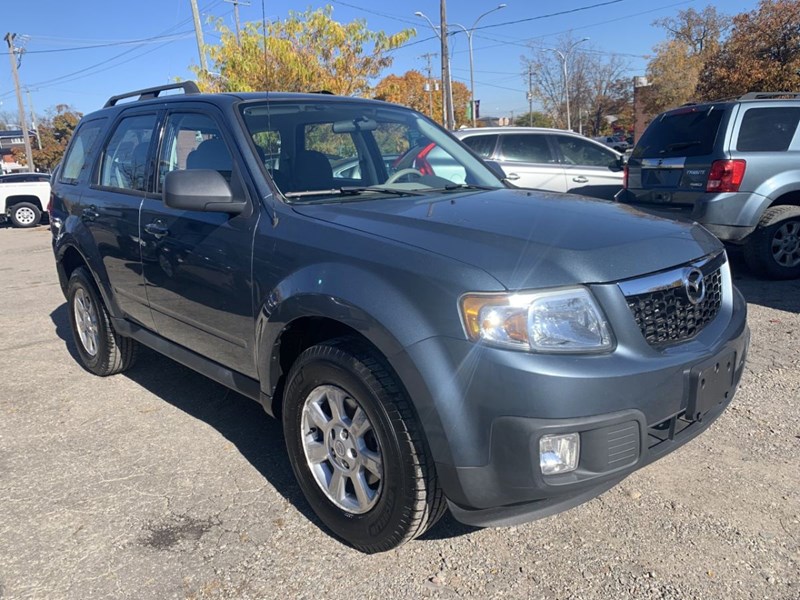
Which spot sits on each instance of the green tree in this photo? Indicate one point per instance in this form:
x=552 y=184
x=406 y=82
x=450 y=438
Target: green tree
x=409 y=89
x=308 y=51
x=762 y=53
x=55 y=132
x=533 y=119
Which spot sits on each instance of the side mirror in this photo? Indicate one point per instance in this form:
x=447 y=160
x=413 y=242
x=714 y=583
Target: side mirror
x=619 y=163
x=203 y=190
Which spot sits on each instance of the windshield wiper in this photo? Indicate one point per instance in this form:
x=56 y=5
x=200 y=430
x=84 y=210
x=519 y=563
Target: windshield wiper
x=682 y=145
x=352 y=191
x=466 y=186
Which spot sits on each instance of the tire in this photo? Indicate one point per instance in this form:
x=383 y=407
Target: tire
x=347 y=420
x=101 y=349
x=773 y=249
x=25 y=214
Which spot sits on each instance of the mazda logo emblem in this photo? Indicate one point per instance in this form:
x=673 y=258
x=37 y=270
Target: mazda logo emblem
x=695 y=285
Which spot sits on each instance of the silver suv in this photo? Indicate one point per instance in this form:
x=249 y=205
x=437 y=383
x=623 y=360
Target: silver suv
x=732 y=166
x=553 y=160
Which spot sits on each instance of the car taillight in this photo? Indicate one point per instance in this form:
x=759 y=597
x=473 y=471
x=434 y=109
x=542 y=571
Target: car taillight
x=625 y=178
x=725 y=175
x=421 y=163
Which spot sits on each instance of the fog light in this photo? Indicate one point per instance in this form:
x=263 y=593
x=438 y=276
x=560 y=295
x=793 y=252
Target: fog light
x=559 y=453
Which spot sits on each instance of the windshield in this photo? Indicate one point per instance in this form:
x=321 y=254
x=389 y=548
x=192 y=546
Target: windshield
x=324 y=150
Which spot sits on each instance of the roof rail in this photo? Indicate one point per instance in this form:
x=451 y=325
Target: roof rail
x=769 y=95
x=188 y=87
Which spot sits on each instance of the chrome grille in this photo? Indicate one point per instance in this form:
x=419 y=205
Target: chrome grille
x=664 y=313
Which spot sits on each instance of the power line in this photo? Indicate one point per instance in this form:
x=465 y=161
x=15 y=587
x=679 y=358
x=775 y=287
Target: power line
x=150 y=40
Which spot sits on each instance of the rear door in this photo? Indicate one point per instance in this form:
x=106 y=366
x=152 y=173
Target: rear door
x=109 y=208
x=197 y=265
x=532 y=157
x=590 y=168
x=671 y=161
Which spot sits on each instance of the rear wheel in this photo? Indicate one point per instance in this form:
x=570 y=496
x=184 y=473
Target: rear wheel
x=773 y=249
x=25 y=214
x=357 y=449
x=100 y=348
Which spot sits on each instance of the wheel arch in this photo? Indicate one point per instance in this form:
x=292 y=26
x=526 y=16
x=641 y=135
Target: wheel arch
x=29 y=198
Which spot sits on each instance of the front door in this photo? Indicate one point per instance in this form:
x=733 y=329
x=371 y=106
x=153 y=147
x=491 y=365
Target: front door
x=197 y=265
x=591 y=168
x=530 y=156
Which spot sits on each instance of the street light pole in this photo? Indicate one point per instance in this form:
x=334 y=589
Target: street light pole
x=445 y=72
x=469 y=33
x=564 y=58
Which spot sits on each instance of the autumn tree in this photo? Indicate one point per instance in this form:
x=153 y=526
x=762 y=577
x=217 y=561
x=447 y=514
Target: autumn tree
x=762 y=53
x=409 y=89
x=533 y=119
x=308 y=51
x=674 y=71
x=55 y=132
x=597 y=84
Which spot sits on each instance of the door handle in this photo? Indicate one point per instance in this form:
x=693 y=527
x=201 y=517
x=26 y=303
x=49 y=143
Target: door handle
x=580 y=179
x=157 y=229
x=512 y=176
x=90 y=213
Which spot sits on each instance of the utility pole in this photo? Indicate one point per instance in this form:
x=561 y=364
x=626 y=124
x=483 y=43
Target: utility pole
x=33 y=120
x=12 y=54
x=446 y=84
x=530 y=94
x=236 y=4
x=429 y=84
x=198 y=31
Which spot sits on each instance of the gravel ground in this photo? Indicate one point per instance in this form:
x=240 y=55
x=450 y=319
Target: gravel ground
x=162 y=484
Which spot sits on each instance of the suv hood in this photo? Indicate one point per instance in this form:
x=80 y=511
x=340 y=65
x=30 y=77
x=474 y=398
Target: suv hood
x=528 y=239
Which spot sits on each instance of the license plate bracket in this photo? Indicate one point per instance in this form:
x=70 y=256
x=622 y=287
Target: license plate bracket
x=711 y=384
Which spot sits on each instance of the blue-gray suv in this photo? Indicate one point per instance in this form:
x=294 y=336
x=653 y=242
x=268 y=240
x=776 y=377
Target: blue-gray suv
x=430 y=338
x=732 y=166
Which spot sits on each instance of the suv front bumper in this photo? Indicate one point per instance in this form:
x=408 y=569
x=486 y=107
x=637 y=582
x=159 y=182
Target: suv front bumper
x=628 y=414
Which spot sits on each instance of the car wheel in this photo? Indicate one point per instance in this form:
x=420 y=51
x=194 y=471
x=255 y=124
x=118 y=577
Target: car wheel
x=25 y=214
x=357 y=449
x=773 y=249
x=100 y=348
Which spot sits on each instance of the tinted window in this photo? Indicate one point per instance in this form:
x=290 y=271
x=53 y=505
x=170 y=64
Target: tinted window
x=767 y=129
x=689 y=132
x=577 y=151
x=125 y=155
x=526 y=148
x=192 y=141
x=483 y=145
x=80 y=150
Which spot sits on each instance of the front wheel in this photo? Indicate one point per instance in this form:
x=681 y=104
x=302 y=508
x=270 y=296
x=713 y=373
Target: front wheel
x=357 y=449
x=773 y=249
x=25 y=214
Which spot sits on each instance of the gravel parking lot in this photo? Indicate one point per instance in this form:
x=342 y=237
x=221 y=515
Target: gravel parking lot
x=162 y=484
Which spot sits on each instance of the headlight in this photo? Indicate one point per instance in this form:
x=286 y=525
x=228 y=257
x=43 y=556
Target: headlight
x=565 y=320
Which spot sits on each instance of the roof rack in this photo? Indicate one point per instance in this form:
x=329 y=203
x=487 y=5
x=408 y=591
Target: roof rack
x=188 y=87
x=769 y=95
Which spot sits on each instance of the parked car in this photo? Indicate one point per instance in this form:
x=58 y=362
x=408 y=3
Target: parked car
x=731 y=166
x=428 y=343
x=549 y=159
x=619 y=144
x=24 y=198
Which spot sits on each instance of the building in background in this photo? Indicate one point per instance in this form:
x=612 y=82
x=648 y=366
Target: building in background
x=11 y=139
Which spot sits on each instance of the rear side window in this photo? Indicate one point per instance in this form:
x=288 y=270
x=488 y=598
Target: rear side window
x=689 y=132
x=125 y=156
x=527 y=148
x=483 y=145
x=80 y=150
x=768 y=129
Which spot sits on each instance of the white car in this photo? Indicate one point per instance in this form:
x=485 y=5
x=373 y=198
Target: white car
x=24 y=198
x=612 y=142
x=555 y=160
